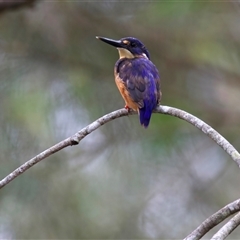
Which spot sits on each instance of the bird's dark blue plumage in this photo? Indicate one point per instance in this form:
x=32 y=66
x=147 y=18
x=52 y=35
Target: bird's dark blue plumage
x=141 y=80
x=136 y=77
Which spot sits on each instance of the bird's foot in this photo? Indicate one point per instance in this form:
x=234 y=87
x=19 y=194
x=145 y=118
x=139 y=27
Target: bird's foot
x=127 y=107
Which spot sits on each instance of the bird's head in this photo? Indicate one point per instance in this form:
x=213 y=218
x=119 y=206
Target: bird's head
x=128 y=47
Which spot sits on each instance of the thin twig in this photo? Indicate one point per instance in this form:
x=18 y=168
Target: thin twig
x=227 y=228
x=214 y=220
x=76 y=138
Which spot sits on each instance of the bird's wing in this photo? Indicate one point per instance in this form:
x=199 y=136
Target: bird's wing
x=141 y=80
x=158 y=86
x=136 y=86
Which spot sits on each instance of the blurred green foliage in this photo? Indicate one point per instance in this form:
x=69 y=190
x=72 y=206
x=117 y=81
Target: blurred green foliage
x=122 y=181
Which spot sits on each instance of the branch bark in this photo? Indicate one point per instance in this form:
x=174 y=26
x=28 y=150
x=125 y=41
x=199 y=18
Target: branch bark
x=215 y=219
x=227 y=228
x=77 y=137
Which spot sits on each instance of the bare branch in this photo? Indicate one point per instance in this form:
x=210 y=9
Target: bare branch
x=227 y=228
x=205 y=128
x=214 y=220
x=76 y=138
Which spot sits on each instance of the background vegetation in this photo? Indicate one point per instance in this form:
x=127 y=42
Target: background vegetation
x=122 y=181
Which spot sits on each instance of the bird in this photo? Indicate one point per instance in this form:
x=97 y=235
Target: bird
x=136 y=77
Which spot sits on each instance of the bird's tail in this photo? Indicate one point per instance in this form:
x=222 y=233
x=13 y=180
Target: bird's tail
x=145 y=116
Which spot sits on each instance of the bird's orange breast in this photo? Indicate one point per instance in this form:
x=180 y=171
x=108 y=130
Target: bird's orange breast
x=125 y=94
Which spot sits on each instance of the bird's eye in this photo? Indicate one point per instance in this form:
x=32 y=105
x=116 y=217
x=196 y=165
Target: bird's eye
x=133 y=44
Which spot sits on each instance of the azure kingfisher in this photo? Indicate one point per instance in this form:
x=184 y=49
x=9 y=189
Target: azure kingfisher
x=136 y=77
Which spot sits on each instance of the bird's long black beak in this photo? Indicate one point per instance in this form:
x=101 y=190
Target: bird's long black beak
x=115 y=43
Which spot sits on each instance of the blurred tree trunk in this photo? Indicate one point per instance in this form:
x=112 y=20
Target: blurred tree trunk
x=8 y=5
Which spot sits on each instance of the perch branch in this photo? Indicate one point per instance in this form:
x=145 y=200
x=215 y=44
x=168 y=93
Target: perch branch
x=205 y=128
x=214 y=220
x=76 y=138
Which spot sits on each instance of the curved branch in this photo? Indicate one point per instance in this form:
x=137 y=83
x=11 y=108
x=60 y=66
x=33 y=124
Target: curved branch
x=227 y=228
x=205 y=128
x=214 y=220
x=76 y=138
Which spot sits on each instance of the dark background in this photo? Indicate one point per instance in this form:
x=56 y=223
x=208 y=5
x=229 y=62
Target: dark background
x=122 y=181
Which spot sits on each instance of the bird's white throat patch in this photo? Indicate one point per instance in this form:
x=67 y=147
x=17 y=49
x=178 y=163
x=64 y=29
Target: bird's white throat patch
x=124 y=53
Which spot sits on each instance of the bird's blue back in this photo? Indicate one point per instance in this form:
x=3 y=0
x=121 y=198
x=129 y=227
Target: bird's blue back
x=142 y=81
